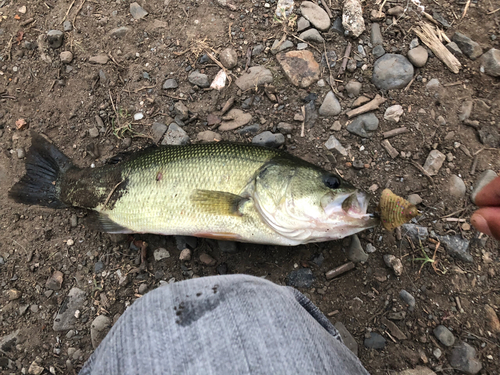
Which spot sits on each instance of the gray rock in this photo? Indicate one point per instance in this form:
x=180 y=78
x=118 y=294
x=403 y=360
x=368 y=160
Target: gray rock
x=457 y=247
x=491 y=62
x=160 y=254
x=433 y=85
x=301 y=46
x=375 y=341
x=256 y=76
x=98 y=329
x=355 y=252
x=98 y=266
x=175 y=136
x=208 y=136
x=419 y=370
x=55 y=38
x=199 y=79
x=332 y=59
x=269 y=139
x=285 y=128
x=353 y=88
x=394 y=263
x=315 y=14
x=484 y=179
x=66 y=57
x=465 y=110
x=337 y=26
x=249 y=130
x=456 y=186
x=392 y=71
x=393 y=113
x=470 y=48
x=414 y=199
x=351 y=65
x=137 y=11
x=185 y=255
x=378 y=51
x=21 y=153
x=489 y=135
x=454 y=49
x=143 y=288
x=257 y=50
x=441 y=121
x=234 y=119
x=376 y=35
x=439 y=18
x=181 y=110
x=396 y=11
x=312 y=35
x=119 y=32
x=183 y=242
x=464 y=358
x=170 y=83
x=230 y=247
x=302 y=24
x=330 y=106
x=352 y=18
x=158 y=130
x=347 y=338
x=364 y=125
x=337 y=126
x=414 y=43
x=65 y=318
x=444 y=335
x=300 y=278
x=277 y=47
x=434 y=162
x=229 y=58
x=370 y=248
x=67 y=25
x=408 y=299
x=101 y=59
x=418 y=56
x=94 y=132
x=334 y=144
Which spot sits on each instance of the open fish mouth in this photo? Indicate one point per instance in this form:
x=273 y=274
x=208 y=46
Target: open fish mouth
x=353 y=204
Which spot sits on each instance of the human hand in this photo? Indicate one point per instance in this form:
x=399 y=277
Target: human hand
x=487 y=218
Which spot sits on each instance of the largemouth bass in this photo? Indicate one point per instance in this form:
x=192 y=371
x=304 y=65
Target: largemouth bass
x=238 y=192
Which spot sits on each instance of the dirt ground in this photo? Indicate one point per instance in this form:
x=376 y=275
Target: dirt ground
x=62 y=101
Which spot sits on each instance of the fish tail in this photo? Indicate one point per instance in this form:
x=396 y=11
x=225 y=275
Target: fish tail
x=45 y=166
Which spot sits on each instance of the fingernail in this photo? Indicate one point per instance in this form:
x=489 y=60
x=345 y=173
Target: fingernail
x=480 y=224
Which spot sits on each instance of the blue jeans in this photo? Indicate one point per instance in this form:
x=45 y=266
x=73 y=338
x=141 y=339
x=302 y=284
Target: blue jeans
x=235 y=324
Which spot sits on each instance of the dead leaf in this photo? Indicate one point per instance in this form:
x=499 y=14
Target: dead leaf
x=19 y=38
x=16 y=17
x=21 y=124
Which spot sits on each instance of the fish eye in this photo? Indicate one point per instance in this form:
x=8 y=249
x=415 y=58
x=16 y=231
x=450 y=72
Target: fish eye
x=332 y=182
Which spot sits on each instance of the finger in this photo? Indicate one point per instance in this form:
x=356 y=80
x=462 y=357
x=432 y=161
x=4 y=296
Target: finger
x=487 y=220
x=490 y=194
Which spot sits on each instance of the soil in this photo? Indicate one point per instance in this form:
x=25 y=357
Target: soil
x=62 y=101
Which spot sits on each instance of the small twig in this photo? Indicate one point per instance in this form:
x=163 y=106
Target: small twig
x=327 y=9
x=331 y=80
x=370 y=106
x=453 y=213
x=302 y=129
x=249 y=59
x=455 y=220
x=303 y=41
x=474 y=165
x=114 y=109
x=78 y=11
x=493 y=11
x=395 y=132
x=423 y=171
x=345 y=59
x=27 y=22
x=452 y=84
x=411 y=82
x=465 y=9
x=66 y=15
x=112 y=58
x=112 y=191
x=174 y=97
x=140 y=89
x=9 y=48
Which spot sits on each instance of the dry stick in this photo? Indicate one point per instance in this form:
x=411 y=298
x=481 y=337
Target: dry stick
x=173 y=97
x=423 y=171
x=426 y=33
x=347 y=53
x=114 y=108
x=465 y=9
x=474 y=164
x=78 y=11
x=249 y=59
x=327 y=8
x=370 y=106
x=334 y=89
x=66 y=15
x=339 y=270
x=453 y=213
x=28 y=21
x=302 y=130
x=395 y=132
x=493 y=11
x=309 y=44
x=140 y=89
x=9 y=48
x=430 y=18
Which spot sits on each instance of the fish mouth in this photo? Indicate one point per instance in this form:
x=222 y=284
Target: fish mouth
x=354 y=205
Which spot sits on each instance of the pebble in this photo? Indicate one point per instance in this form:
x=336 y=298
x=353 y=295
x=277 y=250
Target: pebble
x=352 y=18
x=101 y=59
x=454 y=49
x=222 y=269
x=208 y=136
x=278 y=47
x=337 y=26
x=234 y=119
x=143 y=288
x=465 y=110
x=301 y=46
x=444 y=335
x=464 y=358
x=98 y=266
x=396 y=11
x=378 y=51
x=355 y=252
x=181 y=110
x=175 y=136
x=370 y=248
x=137 y=11
x=414 y=43
x=347 y=338
x=185 y=255
x=66 y=57
x=13 y=294
x=393 y=329
x=441 y=121
x=160 y=254
x=394 y=263
x=392 y=71
x=434 y=162
x=35 y=368
x=199 y=79
x=393 y=113
x=302 y=24
x=353 y=88
x=67 y=25
x=375 y=341
x=360 y=101
x=484 y=179
x=285 y=128
x=300 y=278
x=249 y=130
x=490 y=62
x=300 y=67
x=408 y=299
x=229 y=58
x=334 y=144
x=433 y=85
x=228 y=246
x=170 y=83
x=418 y=56
x=364 y=125
x=256 y=76
x=158 y=130
x=138 y=116
x=54 y=282
x=351 y=65
x=21 y=153
x=98 y=329
x=207 y=260
x=376 y=36
x=312 y=35
x=55 y=38
x=337 y=126
x=414 y=199
x=491 y=319
x=331 y=56
x=456 y=247
x=456 y=186
x=470 y=48
x=65 y=318
x=119 y=32
x=315 y=14
x=330 y=106
x=419 y=370
x=268 y=139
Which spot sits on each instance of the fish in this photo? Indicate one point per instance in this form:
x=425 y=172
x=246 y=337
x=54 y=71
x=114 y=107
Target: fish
x=224 y=191
x=395 y=210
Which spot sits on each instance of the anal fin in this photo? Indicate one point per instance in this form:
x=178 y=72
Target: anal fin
x=218 y=202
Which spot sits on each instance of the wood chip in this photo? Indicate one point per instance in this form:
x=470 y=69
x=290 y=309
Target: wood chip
x=390 y=150
x=339 y=270
x=395 y=132
x=370 y=106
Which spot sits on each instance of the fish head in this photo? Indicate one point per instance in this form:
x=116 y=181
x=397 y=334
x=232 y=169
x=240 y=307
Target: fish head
x=307 y=204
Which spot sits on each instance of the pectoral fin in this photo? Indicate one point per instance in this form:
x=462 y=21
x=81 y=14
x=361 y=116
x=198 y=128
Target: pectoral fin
x=218 y=202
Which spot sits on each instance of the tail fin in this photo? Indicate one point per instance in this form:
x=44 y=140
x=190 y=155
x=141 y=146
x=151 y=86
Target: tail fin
x=45 y=165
